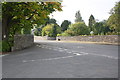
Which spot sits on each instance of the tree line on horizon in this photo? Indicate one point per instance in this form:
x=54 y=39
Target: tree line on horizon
x=105 y=27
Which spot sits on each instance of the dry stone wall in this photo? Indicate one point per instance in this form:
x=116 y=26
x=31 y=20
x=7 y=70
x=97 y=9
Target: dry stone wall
x=95 y=38
x=22 y=41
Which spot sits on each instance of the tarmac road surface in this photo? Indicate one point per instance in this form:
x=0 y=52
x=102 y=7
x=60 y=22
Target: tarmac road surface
x=52 y=59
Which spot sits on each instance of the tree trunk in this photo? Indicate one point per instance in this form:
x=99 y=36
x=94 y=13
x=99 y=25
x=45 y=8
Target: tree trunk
x=5 y=28
x=0 y=30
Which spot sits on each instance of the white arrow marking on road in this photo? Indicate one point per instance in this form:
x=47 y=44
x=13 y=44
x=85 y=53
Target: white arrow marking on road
x=77 y=54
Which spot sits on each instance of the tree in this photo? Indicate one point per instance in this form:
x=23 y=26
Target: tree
x=78 y=17
x=114 y=19
x=0 y=12
x=19 y=15
x=51 y=30
x=0 y=21
x=77 y=29
x=38 y=30
x=65 y=24
x=68 y=32
x=51 y=21
x=101 y=28
x=91 y=22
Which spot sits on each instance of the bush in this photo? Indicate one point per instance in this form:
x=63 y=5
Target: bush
x=4 y=46
x=77 y=29
x=65 y=34
x=113 y=33
x=68 y=32
x=59 y=34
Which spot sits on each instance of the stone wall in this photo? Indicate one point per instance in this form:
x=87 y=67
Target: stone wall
x=40 y=38
x=51 y=38
x=22 y=41
x=96 y=38
x=37 y=38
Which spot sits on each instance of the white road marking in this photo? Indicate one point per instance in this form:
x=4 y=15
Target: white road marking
x=111 y=57
x=65 y=49
x=4 y=55
x=24 y=61
x=69 y=52
x=42 y=47
x=80 y=47
x=49 y=48
x=65 y=57
x=39 y=46
x=32 y=60
x=76 y=52
x=46 y=47
x=84 y=53
x=55 y=49
x=60 y=50
x=57 y=58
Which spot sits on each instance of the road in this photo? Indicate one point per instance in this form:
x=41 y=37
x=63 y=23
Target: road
x=52 y=59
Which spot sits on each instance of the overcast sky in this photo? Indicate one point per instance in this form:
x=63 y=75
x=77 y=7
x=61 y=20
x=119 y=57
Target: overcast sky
x=99 y=8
